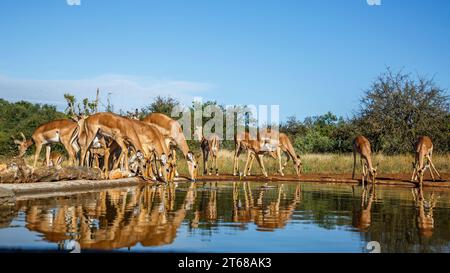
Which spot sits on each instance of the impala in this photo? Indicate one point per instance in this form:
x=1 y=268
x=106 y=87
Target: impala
x=282 y=145
x=118 y=128
x=173 y=133
x=57 y=131
x=363 y=219
x=153 y=142
x=242 y=142
x=269 y=142
x=424 y=217
x=423 y=150
x=361 y=146
x=56 y=159
x=210 y=144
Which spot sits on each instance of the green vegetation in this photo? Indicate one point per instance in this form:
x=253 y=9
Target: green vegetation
x=396 y=110
x=22 y=117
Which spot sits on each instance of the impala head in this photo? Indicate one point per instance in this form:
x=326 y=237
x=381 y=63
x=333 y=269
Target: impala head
x=166 y=167
x=421 y=171
x=142 y=160
x=77 y=118
x=22 y=145
x=373 y=172
x=192 y=165
x=171 y=170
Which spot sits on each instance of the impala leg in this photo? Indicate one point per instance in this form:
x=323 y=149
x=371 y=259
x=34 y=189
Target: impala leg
x=75 y=149
x=122 y=161
x=149 y=171
x=432 y=166
x=249 y=154
x=205 y=161
x=420 y=181
x=212 y=164
x=235 y=160
x=85 y=149
x=250 y=166
x=279 y=160
x=215 y=165
x=259 y=158
x=106 y=161
x=150 y=168
x=117 y=161
x=354 y=164
x=174 y=156
x=125 y=158
x=71 y=151
x=123 y=152
x=414 y=173
x=48 y=149
x=89 y=158
x=287 y=161
x=364 y=173
x=363 y=197
x=431 y=172
x=36 y=154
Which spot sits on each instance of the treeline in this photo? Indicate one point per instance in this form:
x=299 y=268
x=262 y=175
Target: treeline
x=22 y=117
x=393 y=112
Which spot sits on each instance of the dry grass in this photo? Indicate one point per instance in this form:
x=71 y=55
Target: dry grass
x=314 y=163
x=328 y=163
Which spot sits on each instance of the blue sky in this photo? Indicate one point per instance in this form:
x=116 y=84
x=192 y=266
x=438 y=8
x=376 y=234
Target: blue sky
x=309 y=57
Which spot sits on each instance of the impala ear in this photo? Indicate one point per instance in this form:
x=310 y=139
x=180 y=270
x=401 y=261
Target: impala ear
x=18 y=142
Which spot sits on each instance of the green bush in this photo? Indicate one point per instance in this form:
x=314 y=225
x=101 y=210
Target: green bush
x=22 y=117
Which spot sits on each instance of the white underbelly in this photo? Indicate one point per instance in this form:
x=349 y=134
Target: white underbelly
x=267 y=147
x=55 y=139
x=96 y=143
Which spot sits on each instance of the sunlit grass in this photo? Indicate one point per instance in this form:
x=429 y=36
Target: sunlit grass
x=312 y=163
x=327 y=163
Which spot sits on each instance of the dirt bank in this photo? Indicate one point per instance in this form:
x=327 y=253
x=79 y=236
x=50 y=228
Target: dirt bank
x=67 y=186
x=70 y=187
x=390 y=180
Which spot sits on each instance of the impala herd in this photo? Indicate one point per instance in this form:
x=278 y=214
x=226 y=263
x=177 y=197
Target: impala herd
x=148 y=147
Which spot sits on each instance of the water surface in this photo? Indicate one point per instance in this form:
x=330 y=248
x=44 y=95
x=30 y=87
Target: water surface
x=233 y=217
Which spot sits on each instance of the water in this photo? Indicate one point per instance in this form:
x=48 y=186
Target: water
x=233 y=217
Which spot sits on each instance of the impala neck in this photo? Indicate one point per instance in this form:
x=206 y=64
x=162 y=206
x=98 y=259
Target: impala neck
x=369 y=163
x=199 y=133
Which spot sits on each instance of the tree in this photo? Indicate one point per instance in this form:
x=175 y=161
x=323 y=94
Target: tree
x=162 y=105
x=71 y=101
x=86 y=107
x=293 y=126
x=398 y=108
x=109 y=106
